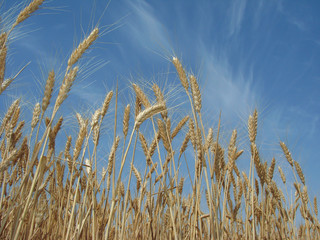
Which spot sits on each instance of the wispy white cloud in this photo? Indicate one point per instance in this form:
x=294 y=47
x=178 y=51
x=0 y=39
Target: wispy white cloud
x=145 y=29
x=236 y=13
x=299 y=24
x=227 y=89
x=32 y=45
x=292 y=17
x=223 y=87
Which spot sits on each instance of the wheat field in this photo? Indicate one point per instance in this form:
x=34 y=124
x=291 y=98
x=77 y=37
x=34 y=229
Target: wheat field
x=49 y=192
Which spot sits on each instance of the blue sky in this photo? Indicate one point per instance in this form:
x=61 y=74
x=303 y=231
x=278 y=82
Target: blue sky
x=246 y=54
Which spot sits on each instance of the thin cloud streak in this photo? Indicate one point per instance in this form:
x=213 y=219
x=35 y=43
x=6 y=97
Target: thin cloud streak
x=237 y=10
x=145 y=29
x=231 y=92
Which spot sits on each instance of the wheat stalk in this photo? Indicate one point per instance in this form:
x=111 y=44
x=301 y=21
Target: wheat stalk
x=37 y=193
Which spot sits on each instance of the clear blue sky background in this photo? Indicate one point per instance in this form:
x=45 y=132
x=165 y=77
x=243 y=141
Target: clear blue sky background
x=246 y=54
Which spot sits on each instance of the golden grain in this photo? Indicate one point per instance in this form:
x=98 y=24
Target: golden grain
x=271 y=171
x=184 y=144
x=66 y=86
x=181 y=73
x=160 y=99
x=195 y=93
x=95 y=118
x=40 y=199
x=283 y=177
x=154 y=144
x=79 y=142
x=112 y=154
x=145 y=148
x=286 y=153
x=125 y=122
x=36 y=115
x=79 y=51
x=142 y=97
x=5 y=84
x=179 y=127
x=147 y=113
x=3 y=56
x=252 y=126
x=48 y=91
x=106 y=104
x=163 y=135
x=299 y=172
x=25 y=13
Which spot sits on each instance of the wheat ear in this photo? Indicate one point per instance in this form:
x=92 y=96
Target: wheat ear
x=3 y=56
x=286 y=153
x=77 y=53
x=82 y=134
x=138 y=177
x=196 y=94
x=106 y=104
x=179 y=126
x=148 y=112
x=184 y=144
x=66 y=86
x=299 y=172
x=182 y=74
x=112 y=154
x=126 y=118
x=35 y=115
x=252 y=126
x=283 y=177
x=27 y=11
x=142 y=97
x=160 y=99
x=48 y=91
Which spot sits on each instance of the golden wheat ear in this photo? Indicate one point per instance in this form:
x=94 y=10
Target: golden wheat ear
x=148 y=112
x=181 y=73
x=196 y=95
x=3 y=57
x=126 y=118
x=83 y=46
x=141 y=95
x=27 y=11
x=48 y=91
